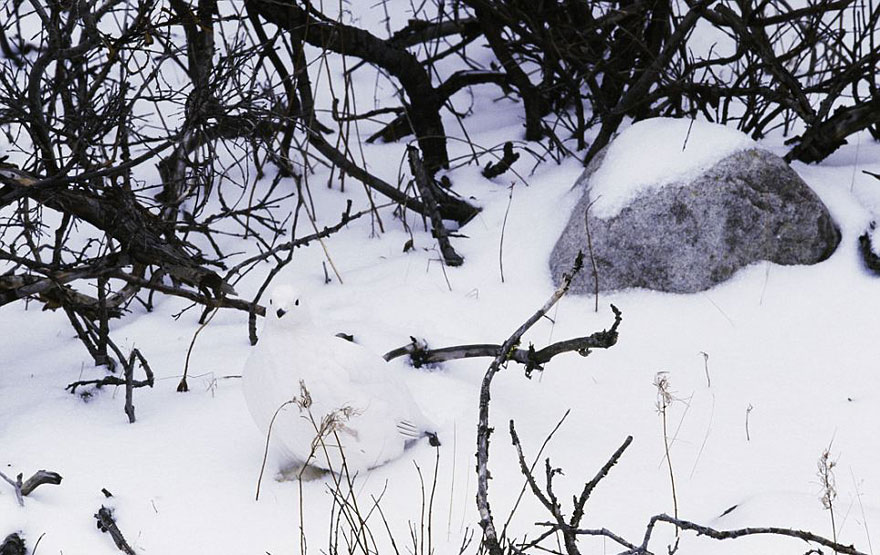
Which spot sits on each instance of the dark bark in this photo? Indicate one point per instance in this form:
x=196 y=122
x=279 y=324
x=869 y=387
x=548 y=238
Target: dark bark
x=823 y=138
x=534 y=103
x=427 y=188
x=532 y=359
x=38 y=479
x=107 y=523
x=142 y=235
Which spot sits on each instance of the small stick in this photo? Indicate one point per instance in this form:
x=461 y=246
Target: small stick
x=490 y=533
x=748 y=411
x=23 y=489
x=592 y=258
x=106 y=523
x=183 y=387
x=495 y=169
x=664 y=400
x=39 y=478
x=424 y=182
x=16 y=485
x=503 y=227
x=706 y=368
x=738 y=533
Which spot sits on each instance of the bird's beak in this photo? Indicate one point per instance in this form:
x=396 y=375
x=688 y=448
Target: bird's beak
x=280 y=312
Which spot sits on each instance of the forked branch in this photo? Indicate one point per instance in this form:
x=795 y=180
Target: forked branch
x=532 y=359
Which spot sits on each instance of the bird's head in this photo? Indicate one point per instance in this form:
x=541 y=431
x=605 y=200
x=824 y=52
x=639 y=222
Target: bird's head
x=286 y=307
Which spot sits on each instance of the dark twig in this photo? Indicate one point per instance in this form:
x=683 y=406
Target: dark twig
x=591 y=485
x=503 y=228
x=129 y=383
x=425 y=183
x=106 y=523
x=533 y=360
x=23 y=489
x=550 y=502
x=39 y=478
x=741 y=532
x=594 y=268
x=494 y=169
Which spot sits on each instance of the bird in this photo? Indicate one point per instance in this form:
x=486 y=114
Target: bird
x=326 y=403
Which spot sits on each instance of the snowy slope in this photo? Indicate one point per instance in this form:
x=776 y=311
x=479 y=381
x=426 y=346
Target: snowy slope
x=796 y=344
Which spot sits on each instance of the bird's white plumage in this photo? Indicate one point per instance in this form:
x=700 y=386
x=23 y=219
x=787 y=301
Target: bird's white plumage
x=337 y=399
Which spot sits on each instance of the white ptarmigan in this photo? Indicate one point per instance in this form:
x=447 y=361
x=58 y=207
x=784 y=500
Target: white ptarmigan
x=332 y=401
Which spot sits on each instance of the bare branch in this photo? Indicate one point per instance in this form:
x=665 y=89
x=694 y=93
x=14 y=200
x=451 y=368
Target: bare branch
x=533 y=360
x=106 y=523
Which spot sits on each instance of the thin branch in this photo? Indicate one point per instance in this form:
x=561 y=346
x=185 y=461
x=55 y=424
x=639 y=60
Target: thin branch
x=490 y=534
x=426 y=187
x=106 y=523
x=533 y=360
x=741 y=532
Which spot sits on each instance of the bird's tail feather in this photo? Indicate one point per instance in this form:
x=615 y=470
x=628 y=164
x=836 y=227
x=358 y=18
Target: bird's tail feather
x=413 y=432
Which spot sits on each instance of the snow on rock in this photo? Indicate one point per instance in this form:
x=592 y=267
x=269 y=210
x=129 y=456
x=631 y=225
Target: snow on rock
x=657 y=152
x=748 y=207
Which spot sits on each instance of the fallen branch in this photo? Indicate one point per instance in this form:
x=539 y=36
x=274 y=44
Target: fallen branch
x=39 y=478
x=533 y=360
x=23 y=489
x=106 y=523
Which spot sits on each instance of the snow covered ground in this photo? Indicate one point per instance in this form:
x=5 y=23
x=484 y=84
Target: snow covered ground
x=768 y=371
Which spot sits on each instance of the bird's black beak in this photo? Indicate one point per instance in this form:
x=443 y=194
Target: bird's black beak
x=280 y=312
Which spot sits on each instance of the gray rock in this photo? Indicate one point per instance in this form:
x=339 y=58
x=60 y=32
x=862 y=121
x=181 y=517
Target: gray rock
x=686 y=238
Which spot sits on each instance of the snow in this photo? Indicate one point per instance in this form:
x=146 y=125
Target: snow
x=768 y=370
x=656 y=152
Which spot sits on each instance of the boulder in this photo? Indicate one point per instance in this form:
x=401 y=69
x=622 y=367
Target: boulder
x=687 y=236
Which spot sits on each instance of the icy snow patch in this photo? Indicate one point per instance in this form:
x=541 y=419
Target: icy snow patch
x=656 y=152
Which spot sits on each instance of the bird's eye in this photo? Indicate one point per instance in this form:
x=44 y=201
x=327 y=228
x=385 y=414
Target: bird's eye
x=280 y=312
x=296 y=302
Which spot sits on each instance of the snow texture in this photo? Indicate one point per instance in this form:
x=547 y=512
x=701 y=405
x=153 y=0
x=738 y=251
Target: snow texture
x=656 y=152
x=790 y=368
